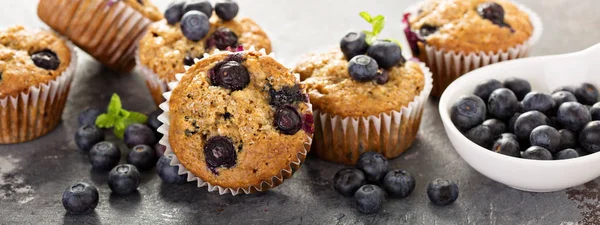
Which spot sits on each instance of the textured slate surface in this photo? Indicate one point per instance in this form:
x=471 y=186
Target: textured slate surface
x=33 y=175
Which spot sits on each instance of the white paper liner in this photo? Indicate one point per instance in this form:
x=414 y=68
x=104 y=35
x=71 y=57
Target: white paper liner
x=263 y=186
x=449 y=65
x=37 y=111
x=343 y=139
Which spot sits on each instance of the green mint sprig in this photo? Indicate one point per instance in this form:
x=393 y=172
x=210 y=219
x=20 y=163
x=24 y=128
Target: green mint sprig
x=377 y=24
x=118 y=118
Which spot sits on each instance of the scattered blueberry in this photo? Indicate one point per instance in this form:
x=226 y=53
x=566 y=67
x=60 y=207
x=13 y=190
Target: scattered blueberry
x=194 y=25
x=537 y=153
x=398 y=183
x=442 y=192
x=518 y=86
x=573 y=116
x=468 y=112
x=287 y=120
x=139 y=134
x=46 y=59
x=160 y=150
x=481 y=135
x=80 y=198
x=595 y=111
x=507 y=144
x=547 y=137
x=589 y=138
x=566 y=154
x=561 y=97
x=353 y=44
x=568 y=139
x=166 y=172
x=387 y=53
x=491 y=11
x=202 y=6
x=374 y=165
x=503 y=104
x=174 y=12
x=498 y=127
x=226 y=9
x=369 y=199
x=485 y=89
x=587 y=94
x=87 y=136
x=231 y=75
x=220 y=152
x=104 y=156
x=154 y=123
x=124 y=179
x=536 y=101
x=142 y=156
x=223 y=38
x=362 y=68
x=88 y=116
x=348 y=181
x=527 y=122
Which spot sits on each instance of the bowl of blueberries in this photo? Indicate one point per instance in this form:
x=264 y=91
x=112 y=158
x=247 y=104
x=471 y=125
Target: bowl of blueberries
x=532 y=124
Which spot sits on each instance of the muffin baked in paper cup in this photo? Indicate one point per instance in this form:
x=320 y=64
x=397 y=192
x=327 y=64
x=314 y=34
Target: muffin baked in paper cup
x=344 y=139
x=156 y=85
x=263 y=186
x=108 y=30
x=447 y=66
x=37 y=111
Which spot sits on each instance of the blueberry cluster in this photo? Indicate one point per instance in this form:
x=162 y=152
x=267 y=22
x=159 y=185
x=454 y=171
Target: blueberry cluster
x=511 y=119
x=369 y=63
x=194 y=15
x=372 y=173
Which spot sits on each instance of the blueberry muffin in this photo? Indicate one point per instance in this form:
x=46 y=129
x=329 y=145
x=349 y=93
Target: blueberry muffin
x=35 y=74
x=239 y=120
x=175 y=42
x=468 y=31
x=108 y=30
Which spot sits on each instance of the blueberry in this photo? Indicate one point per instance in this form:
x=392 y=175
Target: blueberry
x=104 y=156
x=202 y=6
x=167 y=173
x=537 y=153
x=231 y=75
x=362 y=68
x=512 y=121
x=589 y=138
x=382 y=77
x=287 y=120
x=124 y=179
x=387 y=53
x=566 y=154
x=189 y=60
x=374 y=165
x=536 y=101
x=561 y=97
x=468 y=112
x=527 y=122
x=481 y=135
x=348 y=181
x=595 y=111
x=88 y=116
x=573 y=116
x=159 y=150
x=223 y=38
x=485 y=89
x=226 y=9
x=142 y=156
x=442 y=192
x=194 y=25
x=80 y=198
x=353 y=44
x=518 y=86
x=587 y=94
x=491 y=11
x=503 y=104
x=174 y=12
x=46 y=59
x=496 y=126
x=139 y=134
x=508 y=145
x=87 y=136
x=581 y=151
x=220 y=152
x=398 y=183
x=369 y=199
x=154 y=123
x=547 y=137
x=568 y=139
x=564 y=88
x=427 y=30
x=554 y=122
x=286 y=95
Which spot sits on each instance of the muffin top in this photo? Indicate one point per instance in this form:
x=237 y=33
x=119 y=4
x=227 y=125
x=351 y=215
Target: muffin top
x=333 y=91
x=146 y=8
x=166 y=50
x=471 y=25
x=238 y=119
x=29 y=58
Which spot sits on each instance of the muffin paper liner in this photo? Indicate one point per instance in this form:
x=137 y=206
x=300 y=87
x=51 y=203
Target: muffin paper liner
x=447 y=66
x=343 y=139
x=37 y=111
x=107 y=30
x=263 y=186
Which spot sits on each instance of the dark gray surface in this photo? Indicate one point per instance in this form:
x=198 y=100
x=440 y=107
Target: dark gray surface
x=33 y=175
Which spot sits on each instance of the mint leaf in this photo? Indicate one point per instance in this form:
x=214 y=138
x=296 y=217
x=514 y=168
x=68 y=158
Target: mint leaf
x=123 y=113
x=366 y=16
x=105 y=121
x=377 y=24
x=114 y=107
x=118 y=118
x=119 y=130
x=136 y=117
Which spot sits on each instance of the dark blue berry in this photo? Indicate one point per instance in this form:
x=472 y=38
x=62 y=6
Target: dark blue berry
x=374 y=165
x=492 y=11
x=288 y=95
x=160 y=150
x=507 y=144
x=581 y=151
x=512 y=121
x=568 y=139
x=589 y=138
x=189 y=60
x=518 y=86
x=363 y=68
x=143 y=157
x=564 y=88
x=547 y=137
x=220 y=152
x=223 y=38
x=174 y=12
x=387 y=53
x=442 y=192
x=46 y=59
x=226 y=9
x=287 y=120
x=536 y=101
x=353 y=44
x=124 y=179
x=348 y=181
x=496 y=126
x=398 y=183
x=485 y=89
x=587 y=94
x=80 y=198
x=167 y=173
x=481 y=135
x=231 y=75
x=202 y=6
x=194 y=25
x=503 y=104
x=427 y=30
x=382 y=77
x=537 y=153
x=87 y=136
x=139 y=134
x=369 y=199
x=566 y=154
x=104 y=156
x=561 y=97
x=595 y=111
x=527 y=122
x=154 y=123
x=468 y=112
x=573 y=116
x=89 y=116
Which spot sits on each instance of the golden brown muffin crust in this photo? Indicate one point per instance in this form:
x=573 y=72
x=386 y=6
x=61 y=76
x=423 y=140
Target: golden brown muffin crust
x=18 y=72
x=146 y=8
x=461 y=28
x=164 y=46
x=197 y=108
x=333 y=91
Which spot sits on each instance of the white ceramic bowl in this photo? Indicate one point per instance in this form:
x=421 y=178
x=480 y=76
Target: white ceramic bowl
x=545 y=73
